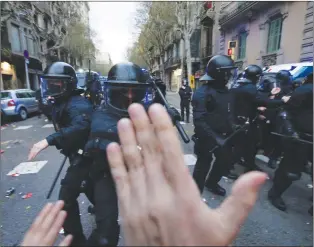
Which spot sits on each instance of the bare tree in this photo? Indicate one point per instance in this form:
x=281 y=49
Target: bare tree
x=188 y=19
x=155 y=20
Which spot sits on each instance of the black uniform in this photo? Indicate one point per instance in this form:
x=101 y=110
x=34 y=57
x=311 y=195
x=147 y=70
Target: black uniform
x=162 y=86
x=274 y=145
x=40 y=102
x=300 y=110
x=103 y=132
x=246 y=100
x=71 y=118
x=212 y=119
x=185 y=93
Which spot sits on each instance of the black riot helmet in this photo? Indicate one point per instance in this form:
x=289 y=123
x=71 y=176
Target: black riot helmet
x=128 y=83
x=253 y=73
x=219 y=68
x=283 y=78
x=58 y=81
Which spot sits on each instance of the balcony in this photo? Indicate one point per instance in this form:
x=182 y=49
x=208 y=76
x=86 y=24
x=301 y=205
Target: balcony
x=172 y=62
x=242 y=11
x=206 y=52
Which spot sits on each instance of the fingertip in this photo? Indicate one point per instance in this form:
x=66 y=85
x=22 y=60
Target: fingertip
x=251 y=181
x=113 y=147
x=155 y=109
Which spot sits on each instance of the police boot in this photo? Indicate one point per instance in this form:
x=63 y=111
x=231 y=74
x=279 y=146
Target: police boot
x=272 y=163
x=232 y=175
x=216 y=189
x=274 y=194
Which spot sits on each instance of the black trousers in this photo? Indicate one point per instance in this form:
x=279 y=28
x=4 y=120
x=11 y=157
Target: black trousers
x=76 y=181
x=185 y=109
x=291 y=166
x=217 y=163
x=101 y=192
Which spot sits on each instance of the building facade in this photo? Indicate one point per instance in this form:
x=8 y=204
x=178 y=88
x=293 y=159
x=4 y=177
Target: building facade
x=35 y=27
x=267 y=33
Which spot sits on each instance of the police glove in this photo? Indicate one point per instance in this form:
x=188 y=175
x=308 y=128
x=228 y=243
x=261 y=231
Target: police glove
x=174 y=114
x=236 y=127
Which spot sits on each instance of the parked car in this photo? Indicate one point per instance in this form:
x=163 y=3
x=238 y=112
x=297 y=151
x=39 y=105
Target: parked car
x=18 y=102
x=297 y=70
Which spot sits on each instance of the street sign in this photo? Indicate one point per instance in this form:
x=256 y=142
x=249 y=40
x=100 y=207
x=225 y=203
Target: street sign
x=192 y=81
x=26 y=55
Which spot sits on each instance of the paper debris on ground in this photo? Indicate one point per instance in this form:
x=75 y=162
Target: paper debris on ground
x=310 y=186
x=28 y=195
x=23 y=127
x=48 y=126
x=28 y=167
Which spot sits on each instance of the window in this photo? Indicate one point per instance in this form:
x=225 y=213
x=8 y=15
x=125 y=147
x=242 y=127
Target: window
x=242 y=45
x=5 y=95
x=21 y=95
x=30 y=45
x=274 y=35
x=15 y=41
x=178 y=49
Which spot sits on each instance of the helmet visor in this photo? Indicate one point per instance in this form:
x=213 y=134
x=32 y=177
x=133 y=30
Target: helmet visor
x=121 y=95
x=53 y=86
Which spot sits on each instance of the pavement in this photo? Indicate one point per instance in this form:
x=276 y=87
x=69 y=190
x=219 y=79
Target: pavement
x=266 y=225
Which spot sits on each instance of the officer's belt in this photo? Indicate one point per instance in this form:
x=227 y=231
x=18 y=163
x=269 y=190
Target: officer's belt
x=107 y=135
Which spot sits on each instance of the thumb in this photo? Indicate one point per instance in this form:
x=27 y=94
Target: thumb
x=238 y=205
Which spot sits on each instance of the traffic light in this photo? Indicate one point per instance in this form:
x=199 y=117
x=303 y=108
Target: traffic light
x=231 y=47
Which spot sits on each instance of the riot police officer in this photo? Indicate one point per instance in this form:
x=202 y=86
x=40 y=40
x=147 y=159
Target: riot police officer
x=94 y=88
x=185 y=93
x=71 y=117
x=299 y=107
x=162 y=86
x=127 y=83
x=284 y=88
x=212 y=120
x=246 y=100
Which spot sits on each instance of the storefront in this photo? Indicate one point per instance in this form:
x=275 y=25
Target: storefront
x=8 y=75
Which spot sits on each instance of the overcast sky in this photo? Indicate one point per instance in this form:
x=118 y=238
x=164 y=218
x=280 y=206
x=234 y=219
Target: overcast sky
x=113 y=23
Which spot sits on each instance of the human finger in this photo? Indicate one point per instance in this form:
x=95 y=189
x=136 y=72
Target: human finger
x=130 y=150
x=238 y=205
x=41 y=216
x=149 y=143
x=66 y=241
x=173 y=163
x=119 y=173
x=50 y=218
x=55 y=228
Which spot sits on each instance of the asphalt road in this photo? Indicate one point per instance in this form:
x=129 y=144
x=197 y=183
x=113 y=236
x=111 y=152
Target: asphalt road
x=265 y=226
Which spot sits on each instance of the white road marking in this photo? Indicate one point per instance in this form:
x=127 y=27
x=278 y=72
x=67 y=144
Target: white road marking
x=48 y=126
x=3 y=128
x=23 y=127
x=28 y=167
x=189 y=159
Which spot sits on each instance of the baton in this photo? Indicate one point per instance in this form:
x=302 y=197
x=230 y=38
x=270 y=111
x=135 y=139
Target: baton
x=229 y=137
x=56 y=178
x=290 y=137
x=179 y=127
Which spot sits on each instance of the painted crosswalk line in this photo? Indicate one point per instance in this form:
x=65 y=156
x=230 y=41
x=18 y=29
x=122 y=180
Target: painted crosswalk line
x=23 y=127
x=28 y=167
x=189 y=159
x=48 y=126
